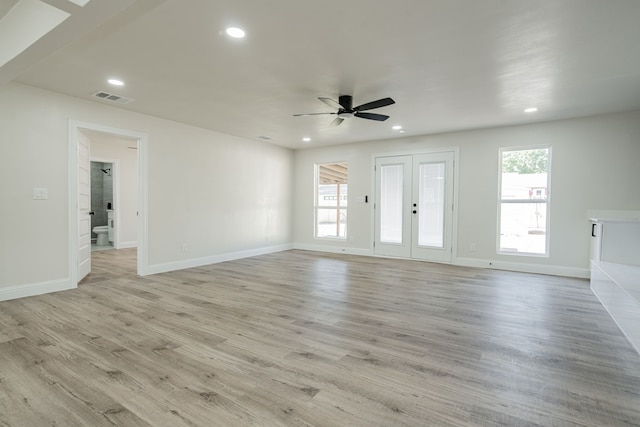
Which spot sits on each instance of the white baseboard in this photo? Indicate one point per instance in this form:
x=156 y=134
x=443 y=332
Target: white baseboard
x=553 y=270
x=31 y=289
x=127 y=245
x=332 y=249
x=197 y=262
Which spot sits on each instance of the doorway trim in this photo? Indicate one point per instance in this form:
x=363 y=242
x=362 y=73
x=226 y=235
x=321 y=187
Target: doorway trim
x=456 y=180
x=75 y=127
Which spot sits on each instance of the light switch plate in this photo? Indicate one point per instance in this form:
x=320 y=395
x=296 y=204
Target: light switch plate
x=40 y=194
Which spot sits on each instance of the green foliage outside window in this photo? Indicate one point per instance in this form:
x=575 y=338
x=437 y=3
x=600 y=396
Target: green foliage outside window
x=525 y=161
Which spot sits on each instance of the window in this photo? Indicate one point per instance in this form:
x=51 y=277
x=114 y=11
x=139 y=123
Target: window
x=524 y=201
x=331 y=200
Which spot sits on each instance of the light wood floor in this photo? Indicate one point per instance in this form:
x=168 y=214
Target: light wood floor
x=308 y=339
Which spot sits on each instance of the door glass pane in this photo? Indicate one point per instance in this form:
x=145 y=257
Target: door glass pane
x=391 y=203
x=523 y=227
x=431 y=205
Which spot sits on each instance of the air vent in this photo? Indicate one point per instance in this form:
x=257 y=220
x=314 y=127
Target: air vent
x=106 y=96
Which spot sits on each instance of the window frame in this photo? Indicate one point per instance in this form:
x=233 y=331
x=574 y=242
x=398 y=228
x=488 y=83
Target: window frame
x=317 y=207
x=546 y=201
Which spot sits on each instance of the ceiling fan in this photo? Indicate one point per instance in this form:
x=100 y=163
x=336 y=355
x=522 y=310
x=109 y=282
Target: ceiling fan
x=346 y=111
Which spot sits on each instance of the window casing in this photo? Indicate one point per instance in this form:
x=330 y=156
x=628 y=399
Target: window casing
x=331 y=200
x=524 y=201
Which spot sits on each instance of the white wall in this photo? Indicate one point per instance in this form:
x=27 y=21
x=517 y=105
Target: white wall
x=594 y=166
x=219 y=195
x=114 y=148
x=223 y=196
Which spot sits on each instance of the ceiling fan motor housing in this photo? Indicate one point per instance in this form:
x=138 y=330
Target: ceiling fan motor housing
x=346 y=101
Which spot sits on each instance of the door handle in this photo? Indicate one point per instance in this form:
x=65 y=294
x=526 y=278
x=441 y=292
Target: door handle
x=92 y=213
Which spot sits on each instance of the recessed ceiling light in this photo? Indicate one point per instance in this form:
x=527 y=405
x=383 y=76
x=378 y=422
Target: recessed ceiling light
x=397 y=127
x=236 y=33
x=306 y=139
x=80 y=2
x=116 y=82
x=531 y=110
x=402 y=131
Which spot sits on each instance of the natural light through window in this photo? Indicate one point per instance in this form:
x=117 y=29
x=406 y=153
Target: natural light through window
x=391 y=203
x=331 y=200
x=524 y=201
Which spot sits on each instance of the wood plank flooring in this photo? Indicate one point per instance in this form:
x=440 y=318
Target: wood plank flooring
x=308 y=339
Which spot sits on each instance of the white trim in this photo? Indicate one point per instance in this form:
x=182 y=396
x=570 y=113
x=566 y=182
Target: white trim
x=553 y=270
x=316 y=184
x=126 y=245
x=333 y=249
x=412 y=152
x=31 y=289
x=547 y=201
x=72 y=185
x=214 y=259
x=143 y=222
x=456 y=188
x=142 y=139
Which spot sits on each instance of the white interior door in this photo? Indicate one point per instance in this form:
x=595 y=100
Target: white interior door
x=414 y=206
x=393 y=206
x=432 y=207
x=84 y=206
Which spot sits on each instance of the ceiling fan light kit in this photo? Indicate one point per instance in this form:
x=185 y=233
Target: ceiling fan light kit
x=347 y=111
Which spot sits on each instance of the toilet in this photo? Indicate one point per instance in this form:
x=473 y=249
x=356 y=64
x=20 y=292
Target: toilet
x=103 y=234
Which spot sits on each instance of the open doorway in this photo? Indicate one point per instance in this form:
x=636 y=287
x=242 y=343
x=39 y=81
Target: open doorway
x=107 y=194
x=103 y=218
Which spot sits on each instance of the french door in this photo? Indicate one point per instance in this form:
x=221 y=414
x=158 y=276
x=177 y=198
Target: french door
x=414 y=206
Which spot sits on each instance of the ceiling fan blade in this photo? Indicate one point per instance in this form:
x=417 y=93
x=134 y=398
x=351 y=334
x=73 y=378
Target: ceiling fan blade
x=330 y=102
x=311 y=114
x=336 y=122
x=375 y=104
x=371 y=116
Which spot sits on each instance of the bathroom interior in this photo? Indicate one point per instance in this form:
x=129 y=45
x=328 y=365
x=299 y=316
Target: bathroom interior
x=102 y=221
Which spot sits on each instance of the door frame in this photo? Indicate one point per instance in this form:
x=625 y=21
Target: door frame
x=75 y=127
x=456 y=180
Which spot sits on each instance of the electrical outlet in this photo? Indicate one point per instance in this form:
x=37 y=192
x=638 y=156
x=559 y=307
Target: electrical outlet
x=40 y=194
x=185 y=247
x=473 y=247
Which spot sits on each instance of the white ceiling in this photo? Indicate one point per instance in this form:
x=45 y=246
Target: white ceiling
x=448 y=64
